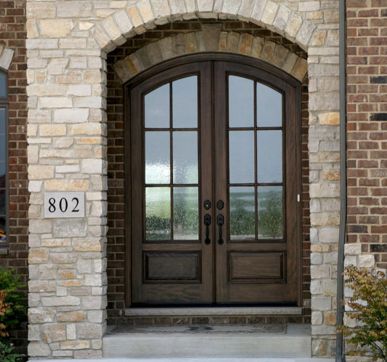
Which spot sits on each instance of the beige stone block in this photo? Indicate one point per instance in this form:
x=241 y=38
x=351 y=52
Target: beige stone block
x=267 y=53
x=86 y=129
x=49 y=130
x=257 y=47
x=74 y=9
x=60 y=301
x=40 y=172
x=55 y=28
x=53 y=332
x=259 y=10
x=190 y=43
x=246 y=43
x=40 y=315
x=231 y=6
x=319 y=37
x=329 y=118
x=233 y=42
x=113 y=31
x=73 y=115
x=177 y=7
x=282 y=17
x=305 y=33
x=293 y=25
x=366 y=261
x=71 y=316
x=74 y=345
x=269 y=12
x=205 y=5
x=135 y=17
x=353 y=249
x=300 y=68
x=38 y=349
x=123 y=22
x=190 y=6
x=103 y=39
x=66 y=185
x=246 y=8
x=37 y=256
x=41 y=286
x=55 y=102
x=317 y=318
x=223 y=41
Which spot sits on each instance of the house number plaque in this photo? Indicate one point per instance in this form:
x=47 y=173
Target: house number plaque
x=64 y=204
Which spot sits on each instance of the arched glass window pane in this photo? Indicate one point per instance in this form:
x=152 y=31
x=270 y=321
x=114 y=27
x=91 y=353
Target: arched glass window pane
x=3 y=85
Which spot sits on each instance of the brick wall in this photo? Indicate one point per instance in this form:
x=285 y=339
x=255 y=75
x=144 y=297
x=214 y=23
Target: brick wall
x=116 y=192
x=367 y=127
x=13 y=35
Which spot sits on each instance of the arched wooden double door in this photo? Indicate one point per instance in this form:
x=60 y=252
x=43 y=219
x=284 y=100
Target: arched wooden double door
x=213 y=184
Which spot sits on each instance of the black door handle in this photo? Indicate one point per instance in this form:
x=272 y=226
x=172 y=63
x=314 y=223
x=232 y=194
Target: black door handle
x=207 y=223
x=220 y=222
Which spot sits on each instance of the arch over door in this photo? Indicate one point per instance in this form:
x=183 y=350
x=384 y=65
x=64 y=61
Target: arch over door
x=214 y=178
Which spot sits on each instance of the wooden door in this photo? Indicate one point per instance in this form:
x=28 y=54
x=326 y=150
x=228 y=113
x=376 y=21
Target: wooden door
x=213 y=184
x=256 y=188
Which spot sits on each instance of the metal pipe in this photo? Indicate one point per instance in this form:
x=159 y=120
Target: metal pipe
x=340 y=346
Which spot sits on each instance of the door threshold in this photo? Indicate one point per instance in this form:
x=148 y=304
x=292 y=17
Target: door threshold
x=213 y=311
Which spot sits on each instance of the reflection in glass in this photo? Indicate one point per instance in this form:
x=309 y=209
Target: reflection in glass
x=242 y=213
x=185 y=213
x=185 y=102
x=2 y=174
x=3 y=148
x=3 y=236
x=241 y=156
x=157 y=158
x=2 y=202
x=2 y=121
x=241 y=102
x=269 y=107
x=269 y=156
x=157 y=213
x=270 y=212
x=185 y=157
x=3 y=84
x=157 y=108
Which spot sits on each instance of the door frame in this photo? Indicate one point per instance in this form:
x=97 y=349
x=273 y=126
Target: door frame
x=183 y=60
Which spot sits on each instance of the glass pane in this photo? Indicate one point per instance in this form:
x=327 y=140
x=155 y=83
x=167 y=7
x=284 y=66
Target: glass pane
x=157 y=108
x=241 y=156
x=242 y=213
x=270 y=212
x=3 y=236
x=241 y=102
x=185 y=102
x=158 y=213
x=2 y=202
x=2 y=175
x=269 y=156
x=185 y=157
x=185 y=213
x=269 y=107
x=3 y=84
x=157 y=157
x=3 y=148
x=2 y=121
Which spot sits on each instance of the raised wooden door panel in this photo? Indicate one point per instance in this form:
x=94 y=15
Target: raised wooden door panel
x=170 y=176
x=257 y=177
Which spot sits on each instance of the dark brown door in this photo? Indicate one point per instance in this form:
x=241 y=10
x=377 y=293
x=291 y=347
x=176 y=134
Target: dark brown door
x=214 y=185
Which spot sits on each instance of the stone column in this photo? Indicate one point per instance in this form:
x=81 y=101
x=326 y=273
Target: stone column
x=66 y=152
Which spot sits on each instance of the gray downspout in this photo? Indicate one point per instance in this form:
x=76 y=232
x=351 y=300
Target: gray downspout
x=340 y=347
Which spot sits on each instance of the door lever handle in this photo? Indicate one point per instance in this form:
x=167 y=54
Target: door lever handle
x=220 y=222
x=207 y=223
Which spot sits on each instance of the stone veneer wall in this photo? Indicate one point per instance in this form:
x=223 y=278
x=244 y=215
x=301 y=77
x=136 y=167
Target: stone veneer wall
x=67 y=46
x=115 y=105
x=14 y=253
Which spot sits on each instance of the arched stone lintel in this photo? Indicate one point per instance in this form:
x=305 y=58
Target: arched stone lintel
x=6 y=55
x=211 y=39
x=114 y=30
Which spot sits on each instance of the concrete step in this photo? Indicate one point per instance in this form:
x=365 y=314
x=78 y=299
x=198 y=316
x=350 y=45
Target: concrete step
x=232 y=341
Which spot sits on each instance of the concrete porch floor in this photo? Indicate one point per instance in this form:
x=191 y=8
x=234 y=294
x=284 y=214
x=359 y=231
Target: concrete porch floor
x=196 y=360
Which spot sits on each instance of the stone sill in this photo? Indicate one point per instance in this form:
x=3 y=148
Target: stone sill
x=208 y=311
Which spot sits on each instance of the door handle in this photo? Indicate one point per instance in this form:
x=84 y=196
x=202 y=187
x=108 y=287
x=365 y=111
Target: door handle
x=207 y=223
x=220 y=222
